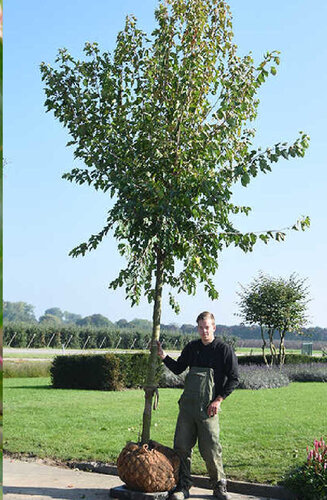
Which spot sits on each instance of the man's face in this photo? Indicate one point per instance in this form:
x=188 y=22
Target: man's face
x=206 y=329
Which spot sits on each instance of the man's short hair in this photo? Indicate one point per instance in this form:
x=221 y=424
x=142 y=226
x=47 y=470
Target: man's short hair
x=205 y=315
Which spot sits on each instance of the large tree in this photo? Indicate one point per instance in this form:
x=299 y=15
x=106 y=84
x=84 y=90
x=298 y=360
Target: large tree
x=18 y=311
x=163 y=126
x=97 y=320
x=278 y=306
x=55 y=311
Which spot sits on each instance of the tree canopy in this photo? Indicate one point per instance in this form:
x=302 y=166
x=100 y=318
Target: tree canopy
x=55 y=311
x=18 y=311
x=94 y=320
x=162 y=125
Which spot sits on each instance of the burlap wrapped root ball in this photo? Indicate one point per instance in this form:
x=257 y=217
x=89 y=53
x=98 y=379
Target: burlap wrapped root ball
x=148 y=468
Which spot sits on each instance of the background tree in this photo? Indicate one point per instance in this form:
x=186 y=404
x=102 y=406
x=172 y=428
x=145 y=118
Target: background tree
x=142 y=324
x=18 y=311
x=69 y=317
x=55 y=311
x=162 y=125
x=50 y=319
x=277 y=305
x=122 y=323
x=94 y=320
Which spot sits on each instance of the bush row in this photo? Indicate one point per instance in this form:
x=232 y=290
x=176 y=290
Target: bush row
x=115 y=372
x=78 y=337
x=261 y=377
x=257 y=359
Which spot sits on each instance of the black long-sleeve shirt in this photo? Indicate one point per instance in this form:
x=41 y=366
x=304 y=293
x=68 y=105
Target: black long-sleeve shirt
x=217 y=355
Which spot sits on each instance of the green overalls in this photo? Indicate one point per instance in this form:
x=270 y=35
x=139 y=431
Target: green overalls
x=194 y=423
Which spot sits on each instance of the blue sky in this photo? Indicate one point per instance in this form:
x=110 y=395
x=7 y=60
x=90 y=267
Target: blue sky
x=45 y=216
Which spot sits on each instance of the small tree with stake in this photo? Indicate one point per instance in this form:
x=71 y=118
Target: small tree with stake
x=277 y=305
x=162 y=125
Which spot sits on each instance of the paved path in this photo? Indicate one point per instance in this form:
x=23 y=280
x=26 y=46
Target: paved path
x=37 y=481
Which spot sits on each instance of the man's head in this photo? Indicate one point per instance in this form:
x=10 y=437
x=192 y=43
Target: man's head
x=206 y=327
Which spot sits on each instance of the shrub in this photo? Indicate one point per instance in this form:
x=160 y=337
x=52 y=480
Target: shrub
x=108 y=372
x=22 y=368
x=310 y=480
x=262 y=377
x=97 y=372
x=314 y=372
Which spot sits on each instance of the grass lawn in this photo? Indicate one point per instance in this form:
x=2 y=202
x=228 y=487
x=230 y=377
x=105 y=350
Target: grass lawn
x=263 y=432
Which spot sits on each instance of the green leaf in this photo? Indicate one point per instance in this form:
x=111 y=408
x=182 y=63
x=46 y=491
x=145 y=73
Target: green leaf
x=245 y=179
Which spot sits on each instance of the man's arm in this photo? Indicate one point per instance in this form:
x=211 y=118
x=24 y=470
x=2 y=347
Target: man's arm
x=231 y=372
x=176 y=366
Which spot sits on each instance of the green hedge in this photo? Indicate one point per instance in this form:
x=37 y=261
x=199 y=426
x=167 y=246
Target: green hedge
x=104 y=372
x=99 y=372
x=257 y=359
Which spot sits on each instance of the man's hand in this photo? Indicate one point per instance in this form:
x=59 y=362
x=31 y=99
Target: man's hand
x=161 y=352
x=214 y=407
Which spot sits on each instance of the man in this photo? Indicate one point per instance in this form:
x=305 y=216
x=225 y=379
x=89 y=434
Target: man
x=213 y=375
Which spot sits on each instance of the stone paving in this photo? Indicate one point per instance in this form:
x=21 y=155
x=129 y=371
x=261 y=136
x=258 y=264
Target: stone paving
x=26 y=480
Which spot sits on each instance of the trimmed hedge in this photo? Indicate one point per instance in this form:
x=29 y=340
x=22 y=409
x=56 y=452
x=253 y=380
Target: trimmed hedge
x=133 y=368
x=100 y=372
x=257 y=359
x=104 y=372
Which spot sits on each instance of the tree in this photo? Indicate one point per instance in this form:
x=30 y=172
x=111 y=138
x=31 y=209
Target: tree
x=276 y=305
x=55 y=311
x=122 y=323
x=94 y=320
x=18 y=311
x=187 y=328
x=71 y=317
x=50 y=319
x=163 y=126
x=142 y=324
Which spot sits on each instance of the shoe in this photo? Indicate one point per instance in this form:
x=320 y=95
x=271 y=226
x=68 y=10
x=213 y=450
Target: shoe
x=220 y=490
x=179 y=494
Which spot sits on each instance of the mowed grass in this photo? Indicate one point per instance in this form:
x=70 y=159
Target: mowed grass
x=263 y=432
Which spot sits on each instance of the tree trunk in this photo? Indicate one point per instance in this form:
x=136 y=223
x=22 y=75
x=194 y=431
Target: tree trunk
x=150 y=385
x=273 y=350
x=282 y=352
x=264 y=343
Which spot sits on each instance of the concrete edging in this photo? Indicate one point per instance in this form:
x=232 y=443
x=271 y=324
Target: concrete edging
x=241 y=487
